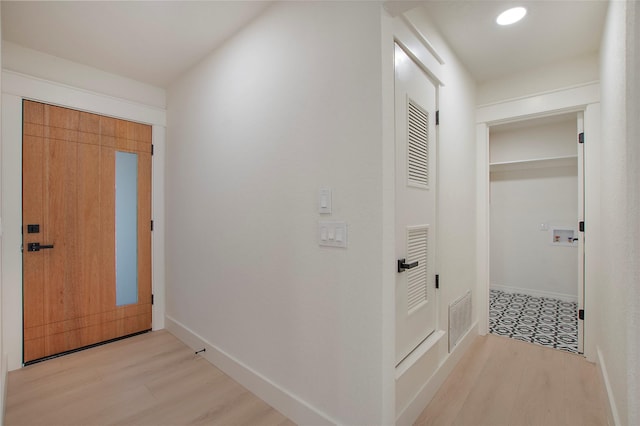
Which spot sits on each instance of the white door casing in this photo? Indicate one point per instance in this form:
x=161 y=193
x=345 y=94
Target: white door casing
x=581 y=242
x=415 y=204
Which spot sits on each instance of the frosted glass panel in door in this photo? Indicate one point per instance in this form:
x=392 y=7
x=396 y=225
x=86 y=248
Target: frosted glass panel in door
x=126 y=228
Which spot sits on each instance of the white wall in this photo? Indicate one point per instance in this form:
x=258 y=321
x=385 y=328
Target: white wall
x=522 y=257
x=633 y=195
x=284 y=108
x=545 y=78
x=41 y=65
x=526 y=195
x=549 y=137
x=618 y=307
x=254 y=130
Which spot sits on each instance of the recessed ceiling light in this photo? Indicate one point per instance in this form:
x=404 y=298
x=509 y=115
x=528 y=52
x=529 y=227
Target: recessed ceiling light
x=511 y=16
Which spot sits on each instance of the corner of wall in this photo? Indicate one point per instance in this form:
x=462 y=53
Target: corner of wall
x=613 y=417
x=280 y=399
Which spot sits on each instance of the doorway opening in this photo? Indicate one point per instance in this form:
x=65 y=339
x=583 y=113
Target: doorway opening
x=536 y=246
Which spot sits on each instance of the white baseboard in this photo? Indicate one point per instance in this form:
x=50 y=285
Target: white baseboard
x=4 y=372
x=535 y=293
x=288 y=404
x=412 y=411
x=613 y=418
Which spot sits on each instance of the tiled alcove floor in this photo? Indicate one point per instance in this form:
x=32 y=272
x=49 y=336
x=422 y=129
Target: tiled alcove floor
x=547 y=322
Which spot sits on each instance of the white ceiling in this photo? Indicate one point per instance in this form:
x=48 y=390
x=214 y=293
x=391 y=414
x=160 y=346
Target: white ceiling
x=156 y=41
x=149 y=41
x=552 y=30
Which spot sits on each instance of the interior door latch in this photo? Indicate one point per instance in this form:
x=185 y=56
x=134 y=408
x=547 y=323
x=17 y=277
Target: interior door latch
x=38 y=246
x=402 y=265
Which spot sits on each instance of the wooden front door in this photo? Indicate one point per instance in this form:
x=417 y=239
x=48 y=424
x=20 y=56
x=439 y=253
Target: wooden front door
x=69 y=223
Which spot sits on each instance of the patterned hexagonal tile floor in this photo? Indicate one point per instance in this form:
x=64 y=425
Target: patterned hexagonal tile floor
x=541 y=320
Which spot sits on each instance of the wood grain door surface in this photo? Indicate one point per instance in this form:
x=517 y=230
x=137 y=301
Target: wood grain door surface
x=69 y=291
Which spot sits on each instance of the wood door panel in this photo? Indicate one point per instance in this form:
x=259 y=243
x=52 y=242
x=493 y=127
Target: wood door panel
x=60 y=218
x=69 y=189
x=98 y=331
x=33 y=112
x=87 y=288
x=116 y=314
x=108 y=126
x=34 y=265
x=107 y=290
x=89 y=123
x=60 y=134
x=128 y=145
x=34 y=349
x=89 y=138
x=59 y=117
x=36 y=332
x=144 y=229
x=31 y=129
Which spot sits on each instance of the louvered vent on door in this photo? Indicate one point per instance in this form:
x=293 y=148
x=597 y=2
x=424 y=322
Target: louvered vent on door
x=417 y=145
x=417 y=249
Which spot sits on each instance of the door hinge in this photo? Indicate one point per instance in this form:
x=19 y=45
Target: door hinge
x=581 y=314
x=581 y=137
x=151 y=149
x=437 y=280
x=437 y=117
x=152 y=299
x=152 y=225
x=581 y=226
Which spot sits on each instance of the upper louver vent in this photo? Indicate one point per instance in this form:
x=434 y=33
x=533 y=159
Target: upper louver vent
x=418 y=145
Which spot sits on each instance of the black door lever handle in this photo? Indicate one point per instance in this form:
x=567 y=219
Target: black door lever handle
x=402 y=265
x=38 y=246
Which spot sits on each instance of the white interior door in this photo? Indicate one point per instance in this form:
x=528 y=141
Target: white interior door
x=415 y=206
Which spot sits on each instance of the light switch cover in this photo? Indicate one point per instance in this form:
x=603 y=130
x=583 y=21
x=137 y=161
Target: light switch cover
x=324 y=201
x=332 y=233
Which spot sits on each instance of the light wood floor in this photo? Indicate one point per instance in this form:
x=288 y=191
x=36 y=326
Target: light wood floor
x=154 y=379
x=501 y=381
x=151 y=379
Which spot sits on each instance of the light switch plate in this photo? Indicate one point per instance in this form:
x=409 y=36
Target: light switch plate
x=332 y=233
x=324 y=201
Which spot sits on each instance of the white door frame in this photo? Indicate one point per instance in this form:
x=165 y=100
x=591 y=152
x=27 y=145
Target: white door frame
x=584 y=98
x=15 y=88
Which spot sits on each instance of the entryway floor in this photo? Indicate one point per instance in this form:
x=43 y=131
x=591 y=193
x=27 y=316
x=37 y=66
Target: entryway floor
x=506 y=382
x=150 y=379
x=541 y=320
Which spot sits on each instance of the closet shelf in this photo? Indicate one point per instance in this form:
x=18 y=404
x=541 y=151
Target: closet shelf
x=537 y=163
